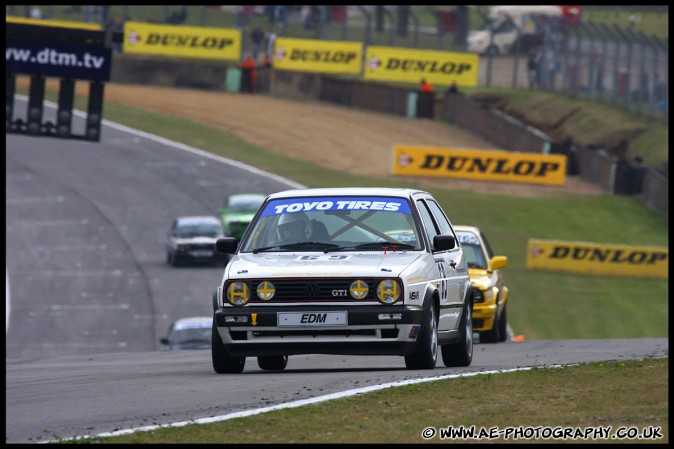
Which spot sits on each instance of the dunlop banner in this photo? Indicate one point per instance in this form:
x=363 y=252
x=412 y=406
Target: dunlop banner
x=182 y=41
x=598 y=259
x=411 y=65
x=55 y=23
x=308 y=55
x=484 y=165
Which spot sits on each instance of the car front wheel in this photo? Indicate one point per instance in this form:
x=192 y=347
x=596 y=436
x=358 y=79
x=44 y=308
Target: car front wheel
x=493 y=335
x=503 y=325
x=223 y=363
x=425 y=354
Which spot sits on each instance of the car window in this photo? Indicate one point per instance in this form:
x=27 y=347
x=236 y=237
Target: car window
x=426 y=217
x=472 y=249
x=341 y=221
x=440 y=218
x=198 y=230
x=487 y=246
x=179 y=336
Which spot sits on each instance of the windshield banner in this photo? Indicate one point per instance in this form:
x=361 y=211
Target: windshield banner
x=291 y=205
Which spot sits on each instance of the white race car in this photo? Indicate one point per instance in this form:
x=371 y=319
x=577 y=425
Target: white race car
x=374 y=271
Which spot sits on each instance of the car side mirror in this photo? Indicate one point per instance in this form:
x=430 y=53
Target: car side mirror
x=226 y=245
x=498 y=262
x=164 y=341
x=443 y=242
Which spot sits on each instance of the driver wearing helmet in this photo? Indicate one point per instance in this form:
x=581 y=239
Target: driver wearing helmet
x=293 y=227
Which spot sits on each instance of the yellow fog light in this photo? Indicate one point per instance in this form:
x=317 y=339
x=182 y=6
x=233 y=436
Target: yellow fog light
x=359 y=289
x=266 y=290
x=388 y=291
x=238 y=293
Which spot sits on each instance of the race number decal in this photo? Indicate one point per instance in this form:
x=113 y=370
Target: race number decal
x=443 y=282
x=325 y=258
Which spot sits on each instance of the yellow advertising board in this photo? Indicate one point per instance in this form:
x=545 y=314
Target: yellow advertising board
x=308 y=55
x=483 y=165
x=598 y=259
x=55 y=23
x=411 y=65
x=182 y=41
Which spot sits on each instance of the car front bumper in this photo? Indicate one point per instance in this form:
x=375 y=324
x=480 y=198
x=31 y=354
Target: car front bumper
x=374 y=330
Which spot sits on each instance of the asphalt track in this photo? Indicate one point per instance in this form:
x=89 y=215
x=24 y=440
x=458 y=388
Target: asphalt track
x=86 y=231
x=89 y=295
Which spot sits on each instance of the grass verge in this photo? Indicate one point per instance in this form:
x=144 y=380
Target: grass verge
x=569 y=401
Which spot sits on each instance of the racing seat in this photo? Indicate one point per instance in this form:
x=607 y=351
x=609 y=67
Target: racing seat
x=319 y=232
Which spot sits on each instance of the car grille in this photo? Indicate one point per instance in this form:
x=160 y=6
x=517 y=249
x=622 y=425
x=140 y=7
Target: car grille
x=237 y=228
x=313 y=290
x=200 y=246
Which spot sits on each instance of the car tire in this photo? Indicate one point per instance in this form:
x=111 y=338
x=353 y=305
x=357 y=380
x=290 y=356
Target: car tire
x=492 y=51
x=172 y=259
x=223 y=363
x=272 y=362
x=503 y=325
x=461 y=352
x=425 y=354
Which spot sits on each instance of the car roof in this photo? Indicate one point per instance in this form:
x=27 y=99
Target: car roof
x=198 y=219
x=195 y=321
x=348 y=191
x=473 y=229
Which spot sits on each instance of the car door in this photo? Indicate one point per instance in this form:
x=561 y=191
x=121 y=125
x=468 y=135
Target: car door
x=448 y=263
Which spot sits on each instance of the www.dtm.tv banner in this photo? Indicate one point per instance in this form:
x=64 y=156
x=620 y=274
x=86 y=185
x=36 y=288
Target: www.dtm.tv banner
x=598 y=259
x=484 y=165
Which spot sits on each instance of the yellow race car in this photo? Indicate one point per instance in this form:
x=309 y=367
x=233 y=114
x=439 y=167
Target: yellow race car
x=490 y=318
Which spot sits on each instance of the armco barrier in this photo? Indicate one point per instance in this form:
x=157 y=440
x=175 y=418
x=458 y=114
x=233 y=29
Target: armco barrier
x=504 y=131
x=655 y=191
x=158 y=71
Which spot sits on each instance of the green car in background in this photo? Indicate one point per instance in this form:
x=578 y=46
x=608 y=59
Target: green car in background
x=238 y=211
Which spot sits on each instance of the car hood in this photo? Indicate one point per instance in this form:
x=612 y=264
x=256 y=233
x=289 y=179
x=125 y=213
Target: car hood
x=303 y=264
x=481 y=278
x=195 y=345
x=202 y=240
x=238 y=216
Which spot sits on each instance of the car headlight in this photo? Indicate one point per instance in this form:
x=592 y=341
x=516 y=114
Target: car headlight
x=482 y=295
x=266 y=290
x=238 y=293
x=388 y=291
x=359 y=289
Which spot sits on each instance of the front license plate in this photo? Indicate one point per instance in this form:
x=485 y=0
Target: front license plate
x=202 y=253
x=312 y=319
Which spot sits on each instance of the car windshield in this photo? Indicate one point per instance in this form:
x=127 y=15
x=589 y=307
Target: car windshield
x=250 y=205
x=190 y=335
x=198 y=230
x=334 y=224
x=471 y=248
